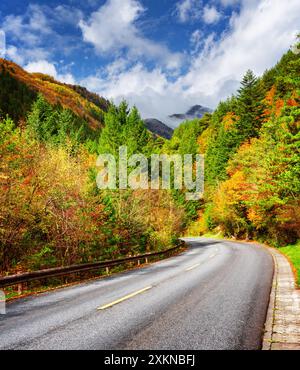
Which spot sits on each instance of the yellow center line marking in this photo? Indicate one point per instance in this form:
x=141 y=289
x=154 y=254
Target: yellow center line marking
x=198 y=264
x=123 y=299
x=193 y=267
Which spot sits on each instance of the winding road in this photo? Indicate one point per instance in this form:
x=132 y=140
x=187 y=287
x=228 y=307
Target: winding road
x=213 y=296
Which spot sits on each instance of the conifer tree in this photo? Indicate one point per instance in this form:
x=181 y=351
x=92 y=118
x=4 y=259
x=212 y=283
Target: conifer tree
x=123 y=127
x=64 y=124
x=40 y=113
x=250 y=107
x=111 y=135
x=136 y=135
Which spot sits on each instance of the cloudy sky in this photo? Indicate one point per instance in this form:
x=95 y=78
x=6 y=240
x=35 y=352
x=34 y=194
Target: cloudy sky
x=162 y=55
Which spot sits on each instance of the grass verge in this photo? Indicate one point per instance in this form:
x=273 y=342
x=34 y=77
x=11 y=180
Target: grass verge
x=293 y=253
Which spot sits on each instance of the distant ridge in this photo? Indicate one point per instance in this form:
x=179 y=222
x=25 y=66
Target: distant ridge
x=196 y=111
x=161 y=129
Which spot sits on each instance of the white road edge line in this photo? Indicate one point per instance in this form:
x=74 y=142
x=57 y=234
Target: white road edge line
x=124 y=298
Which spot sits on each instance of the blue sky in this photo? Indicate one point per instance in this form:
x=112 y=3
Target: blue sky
x=162 y=55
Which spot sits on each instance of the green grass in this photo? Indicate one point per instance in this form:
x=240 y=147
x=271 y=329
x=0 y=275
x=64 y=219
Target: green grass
x=293 y=253
x=213 y=235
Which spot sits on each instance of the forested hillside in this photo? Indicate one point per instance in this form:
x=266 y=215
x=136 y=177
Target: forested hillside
x=53 y=214
x=19 y=89
x=252 y=154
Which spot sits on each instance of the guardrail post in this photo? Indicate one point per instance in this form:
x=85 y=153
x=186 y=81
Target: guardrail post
x=20 y=285
x=2 y=303
x=139 y=262
x=107 y=270
x=146 y=260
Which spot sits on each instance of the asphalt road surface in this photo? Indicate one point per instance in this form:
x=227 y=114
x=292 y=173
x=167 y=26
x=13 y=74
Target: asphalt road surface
x=213 y=296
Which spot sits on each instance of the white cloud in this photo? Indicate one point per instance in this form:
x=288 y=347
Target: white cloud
x=22 y=56
x=42 y=66
x=29 y=27
x=65 y=14
x=113 y=34
x=136 y=80
x=188 y=10
x=27 y=31
x=211 y=14
x=257 y=37
x=191 y=10
x=12 y=53
x=2 y=43
x=67 y=78
x=247 y=45
x=32 y=36
x=150 y=90
x=230 y=2
x=196 y=40
x=45 y=67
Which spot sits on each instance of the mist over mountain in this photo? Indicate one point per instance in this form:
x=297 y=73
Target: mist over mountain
x=166 y=128
x=196 y=111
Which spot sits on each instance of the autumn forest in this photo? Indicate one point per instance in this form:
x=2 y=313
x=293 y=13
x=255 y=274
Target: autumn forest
x=52 y=213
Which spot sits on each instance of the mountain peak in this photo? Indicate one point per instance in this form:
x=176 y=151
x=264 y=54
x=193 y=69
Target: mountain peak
x=196 y=111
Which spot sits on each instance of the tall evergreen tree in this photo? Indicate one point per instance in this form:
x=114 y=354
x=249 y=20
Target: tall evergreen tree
x=64 y=124
x=39 y=118
x=111 y=137
x=123 y=127
x=250 y=107
x=137 y=136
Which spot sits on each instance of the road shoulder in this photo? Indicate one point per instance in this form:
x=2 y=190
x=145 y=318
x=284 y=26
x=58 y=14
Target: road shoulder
x=282 y=328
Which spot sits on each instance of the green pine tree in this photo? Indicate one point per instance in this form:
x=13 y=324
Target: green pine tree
x=38 y=120
x=250 y=108
x=136 y=135
x=111 y=137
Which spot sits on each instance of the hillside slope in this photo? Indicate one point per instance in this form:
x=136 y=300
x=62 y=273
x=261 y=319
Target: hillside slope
x=159 y=128
x=18 y=90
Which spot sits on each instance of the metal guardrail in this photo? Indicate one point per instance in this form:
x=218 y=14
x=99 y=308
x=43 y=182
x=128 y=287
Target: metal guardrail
x=64 y=271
